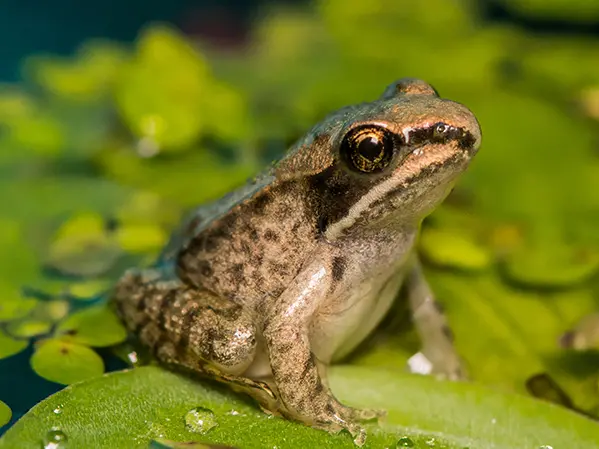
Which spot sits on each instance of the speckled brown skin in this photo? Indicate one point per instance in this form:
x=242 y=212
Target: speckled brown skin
x=267 y=286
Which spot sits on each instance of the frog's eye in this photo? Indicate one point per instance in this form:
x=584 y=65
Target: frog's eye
x=368 y=148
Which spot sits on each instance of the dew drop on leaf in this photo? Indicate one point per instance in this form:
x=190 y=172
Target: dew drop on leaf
x=200 y=420
x=545 y=446
x=404 y=442
x=55 y=439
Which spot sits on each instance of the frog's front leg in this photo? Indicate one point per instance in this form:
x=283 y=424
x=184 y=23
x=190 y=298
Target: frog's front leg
x=431 y=324
x=297 y=374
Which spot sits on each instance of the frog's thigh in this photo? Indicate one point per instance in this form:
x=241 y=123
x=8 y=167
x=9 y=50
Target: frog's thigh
x=191 y=328
x=432 y=327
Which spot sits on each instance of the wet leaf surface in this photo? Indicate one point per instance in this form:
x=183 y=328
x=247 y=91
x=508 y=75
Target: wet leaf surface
x=129 y=409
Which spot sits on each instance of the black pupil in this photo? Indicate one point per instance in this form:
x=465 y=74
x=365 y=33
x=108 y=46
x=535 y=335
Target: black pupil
x=370 y=148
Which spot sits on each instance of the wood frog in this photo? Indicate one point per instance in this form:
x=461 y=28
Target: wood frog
x=266 y=287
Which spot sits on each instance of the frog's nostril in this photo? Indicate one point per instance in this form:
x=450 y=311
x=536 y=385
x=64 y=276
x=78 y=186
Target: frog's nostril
x=468 y=142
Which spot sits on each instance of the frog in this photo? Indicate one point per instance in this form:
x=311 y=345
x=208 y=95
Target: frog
x=268 y=286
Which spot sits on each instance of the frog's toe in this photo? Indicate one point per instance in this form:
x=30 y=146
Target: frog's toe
x=454 y=371
x=357 y=432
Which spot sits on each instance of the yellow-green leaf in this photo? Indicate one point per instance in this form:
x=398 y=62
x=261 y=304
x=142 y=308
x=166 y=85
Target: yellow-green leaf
x=66 y=362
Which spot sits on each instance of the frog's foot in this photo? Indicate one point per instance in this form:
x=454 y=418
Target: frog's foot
x=339 y=417
x=452 y=371
x=438 y=355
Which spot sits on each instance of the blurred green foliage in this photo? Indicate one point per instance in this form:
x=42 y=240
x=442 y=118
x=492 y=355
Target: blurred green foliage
x=100 y=154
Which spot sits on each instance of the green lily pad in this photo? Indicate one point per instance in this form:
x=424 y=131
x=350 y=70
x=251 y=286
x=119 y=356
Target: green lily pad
x=13 y=306
x=130 y=409
x=87 y=289
x=65 y=362
x=83 y=247
x=28 y=328
x=10 y=346
x=159 y=93
x=5 y=413
x=141 y=238
x=551 y=266
x=96 y=326
x=453 y=249
x=52 y=311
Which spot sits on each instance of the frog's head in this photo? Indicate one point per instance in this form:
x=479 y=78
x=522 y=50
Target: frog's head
x=390 y=161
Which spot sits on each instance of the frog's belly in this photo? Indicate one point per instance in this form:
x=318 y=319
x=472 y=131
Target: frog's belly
x=336 y=333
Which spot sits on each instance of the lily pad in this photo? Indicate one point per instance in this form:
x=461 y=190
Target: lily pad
x=88 y=290
x=551 y=266
x=10 y=346
x=453 y=249
x=130 y=409
x=28 y=328
x=141 y=238
x=159 y=93
x=65 y=362
x=83 y=247
x=5 y=413
x=13 y=306
x=96 y=326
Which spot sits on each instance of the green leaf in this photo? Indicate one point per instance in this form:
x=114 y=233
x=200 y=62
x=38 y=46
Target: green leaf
x=141 y=238
x=28 y=328
x=551 y=265
x=448 y=248
x=13 y=306
x=65 y=362
x=10 y=346
x=5 y=413
x=129 y=409
x=159 y=93
x=96 y=326
x=82 y=246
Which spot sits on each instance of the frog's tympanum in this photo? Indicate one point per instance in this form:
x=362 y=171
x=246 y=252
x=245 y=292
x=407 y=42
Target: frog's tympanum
x=266 y=287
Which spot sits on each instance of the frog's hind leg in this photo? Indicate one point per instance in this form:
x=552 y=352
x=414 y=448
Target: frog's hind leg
x=432 y=326
x=192 y=329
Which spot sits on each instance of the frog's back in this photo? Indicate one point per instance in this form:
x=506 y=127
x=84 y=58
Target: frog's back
x=202 y=216
x=251 y=243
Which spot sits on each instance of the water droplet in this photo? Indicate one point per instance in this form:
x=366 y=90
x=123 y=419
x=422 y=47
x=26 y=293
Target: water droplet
x=233 y=413
x=545 y=446
x=58 y=410
x=200 y=420
x=55 y=439
x=404 y=442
